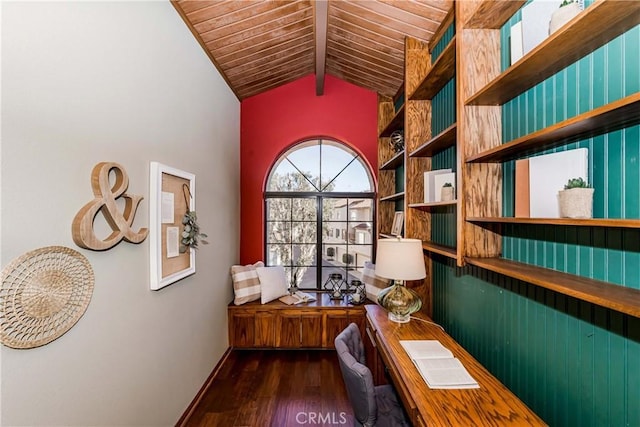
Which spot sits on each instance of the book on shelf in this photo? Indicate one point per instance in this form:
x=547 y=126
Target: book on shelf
x=522 y=189
x=516 y=42
x=437 y=365
x=297 y=297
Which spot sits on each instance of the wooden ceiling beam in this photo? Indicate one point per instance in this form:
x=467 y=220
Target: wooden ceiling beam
x=321 y=14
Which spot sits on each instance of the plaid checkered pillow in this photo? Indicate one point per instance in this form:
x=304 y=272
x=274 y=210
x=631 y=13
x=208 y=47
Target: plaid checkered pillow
x=373 y=284
x=246 y=284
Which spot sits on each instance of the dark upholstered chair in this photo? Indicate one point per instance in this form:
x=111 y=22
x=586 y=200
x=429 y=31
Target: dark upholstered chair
x=372 y=405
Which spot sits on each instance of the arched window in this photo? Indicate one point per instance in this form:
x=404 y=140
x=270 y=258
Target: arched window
x=320 y=210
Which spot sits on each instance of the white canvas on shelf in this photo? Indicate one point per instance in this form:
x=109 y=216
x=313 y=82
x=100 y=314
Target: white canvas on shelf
x=429 y=189
x=535 y=22
x=548 y=174
x=516 y=42
x=440 y=180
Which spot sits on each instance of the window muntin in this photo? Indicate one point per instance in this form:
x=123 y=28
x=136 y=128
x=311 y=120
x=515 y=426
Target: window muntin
x=320 y=166
x=319 y=201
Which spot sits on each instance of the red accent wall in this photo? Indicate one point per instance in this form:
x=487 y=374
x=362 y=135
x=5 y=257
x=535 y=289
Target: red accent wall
x=273 y=121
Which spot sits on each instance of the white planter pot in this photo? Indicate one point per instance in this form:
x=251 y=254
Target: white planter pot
x=563 y=15
x=446 y=194
x=576 y=203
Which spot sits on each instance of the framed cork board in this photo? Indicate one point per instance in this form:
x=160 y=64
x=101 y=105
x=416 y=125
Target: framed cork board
x=172 y=191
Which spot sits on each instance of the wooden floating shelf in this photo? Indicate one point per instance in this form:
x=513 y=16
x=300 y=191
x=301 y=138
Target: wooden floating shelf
x=592 y=28
x=393 y=197
x=445 y=139
x=615 y=297
x=397 y=122
x=439 y=74
x=394 y=162
x=492 y=14
x=429 y=206
x=447 y=251
x=616 y=115
x=591 y=222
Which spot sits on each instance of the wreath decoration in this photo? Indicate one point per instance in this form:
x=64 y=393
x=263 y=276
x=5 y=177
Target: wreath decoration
x=191 y=234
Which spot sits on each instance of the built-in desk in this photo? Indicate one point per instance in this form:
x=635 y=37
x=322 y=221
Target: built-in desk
x=492 y=404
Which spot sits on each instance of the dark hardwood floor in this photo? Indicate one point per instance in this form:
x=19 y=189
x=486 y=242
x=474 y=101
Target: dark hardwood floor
x=279 y=388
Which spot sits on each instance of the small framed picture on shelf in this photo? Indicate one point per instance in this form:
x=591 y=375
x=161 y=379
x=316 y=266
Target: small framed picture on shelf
x=396 y=227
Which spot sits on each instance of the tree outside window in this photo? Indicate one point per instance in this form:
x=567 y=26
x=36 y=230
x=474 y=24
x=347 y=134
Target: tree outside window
x=320 y=209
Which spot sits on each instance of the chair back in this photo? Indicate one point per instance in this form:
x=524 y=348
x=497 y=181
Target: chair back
x=357 y=377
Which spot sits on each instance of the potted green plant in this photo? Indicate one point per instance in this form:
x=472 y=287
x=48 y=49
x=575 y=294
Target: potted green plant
x=576 y=200
x=565 y=13
x=446 y=192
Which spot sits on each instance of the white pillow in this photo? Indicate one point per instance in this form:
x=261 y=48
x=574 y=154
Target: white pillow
x=273 y=283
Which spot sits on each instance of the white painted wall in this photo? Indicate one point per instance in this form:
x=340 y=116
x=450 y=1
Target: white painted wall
x=85 y=82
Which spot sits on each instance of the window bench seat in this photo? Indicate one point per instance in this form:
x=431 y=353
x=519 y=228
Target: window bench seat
x=278 y=325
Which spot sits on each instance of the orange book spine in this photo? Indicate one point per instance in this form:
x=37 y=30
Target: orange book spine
x=522 y=189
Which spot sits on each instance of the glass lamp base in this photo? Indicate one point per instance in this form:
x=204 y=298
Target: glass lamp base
x=399 y=301
x=399 y=318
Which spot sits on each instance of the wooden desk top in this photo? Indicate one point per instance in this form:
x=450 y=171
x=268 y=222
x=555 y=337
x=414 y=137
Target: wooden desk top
x=323 y=300
x=492 y=404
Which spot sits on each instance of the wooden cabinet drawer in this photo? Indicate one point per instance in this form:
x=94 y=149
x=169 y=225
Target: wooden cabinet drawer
x=277 y=325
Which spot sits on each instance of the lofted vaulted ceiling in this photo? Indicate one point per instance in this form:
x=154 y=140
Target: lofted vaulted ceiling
x=261 y=44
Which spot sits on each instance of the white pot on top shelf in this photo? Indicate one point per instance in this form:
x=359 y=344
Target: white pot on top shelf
x=576 y=200
x=565 y=13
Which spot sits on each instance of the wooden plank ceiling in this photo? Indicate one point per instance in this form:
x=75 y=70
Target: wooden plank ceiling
x=261 y=44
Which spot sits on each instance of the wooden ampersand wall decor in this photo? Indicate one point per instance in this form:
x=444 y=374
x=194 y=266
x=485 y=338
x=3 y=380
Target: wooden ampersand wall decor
x=105 y=202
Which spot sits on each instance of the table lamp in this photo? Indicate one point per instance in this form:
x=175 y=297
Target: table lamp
x=400 y=259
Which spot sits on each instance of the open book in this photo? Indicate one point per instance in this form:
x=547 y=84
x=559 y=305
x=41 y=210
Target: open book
x=437 y=365
x=297 y=297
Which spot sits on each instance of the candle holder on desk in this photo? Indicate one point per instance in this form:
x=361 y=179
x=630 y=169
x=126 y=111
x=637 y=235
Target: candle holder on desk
x=358 y=293
x=334 y=286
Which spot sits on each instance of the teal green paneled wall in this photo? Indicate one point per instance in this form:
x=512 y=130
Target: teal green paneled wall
x=443 y=219
x=399 y=184
x=444 y=41
x=397 y=105
x=399 y=188
x=572 y=362
x=443 y=107
x=606 y=75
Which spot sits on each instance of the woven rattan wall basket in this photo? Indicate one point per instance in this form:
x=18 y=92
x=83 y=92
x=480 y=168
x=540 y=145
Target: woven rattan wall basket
x=44 y=293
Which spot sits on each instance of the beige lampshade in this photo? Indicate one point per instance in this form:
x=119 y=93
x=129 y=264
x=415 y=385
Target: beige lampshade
x=400 y=259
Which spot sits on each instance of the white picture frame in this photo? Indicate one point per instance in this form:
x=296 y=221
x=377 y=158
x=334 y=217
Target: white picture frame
x=396 y=227
x=429 y=184
x=171 y=191
x=548 y=173
x=535 y=22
